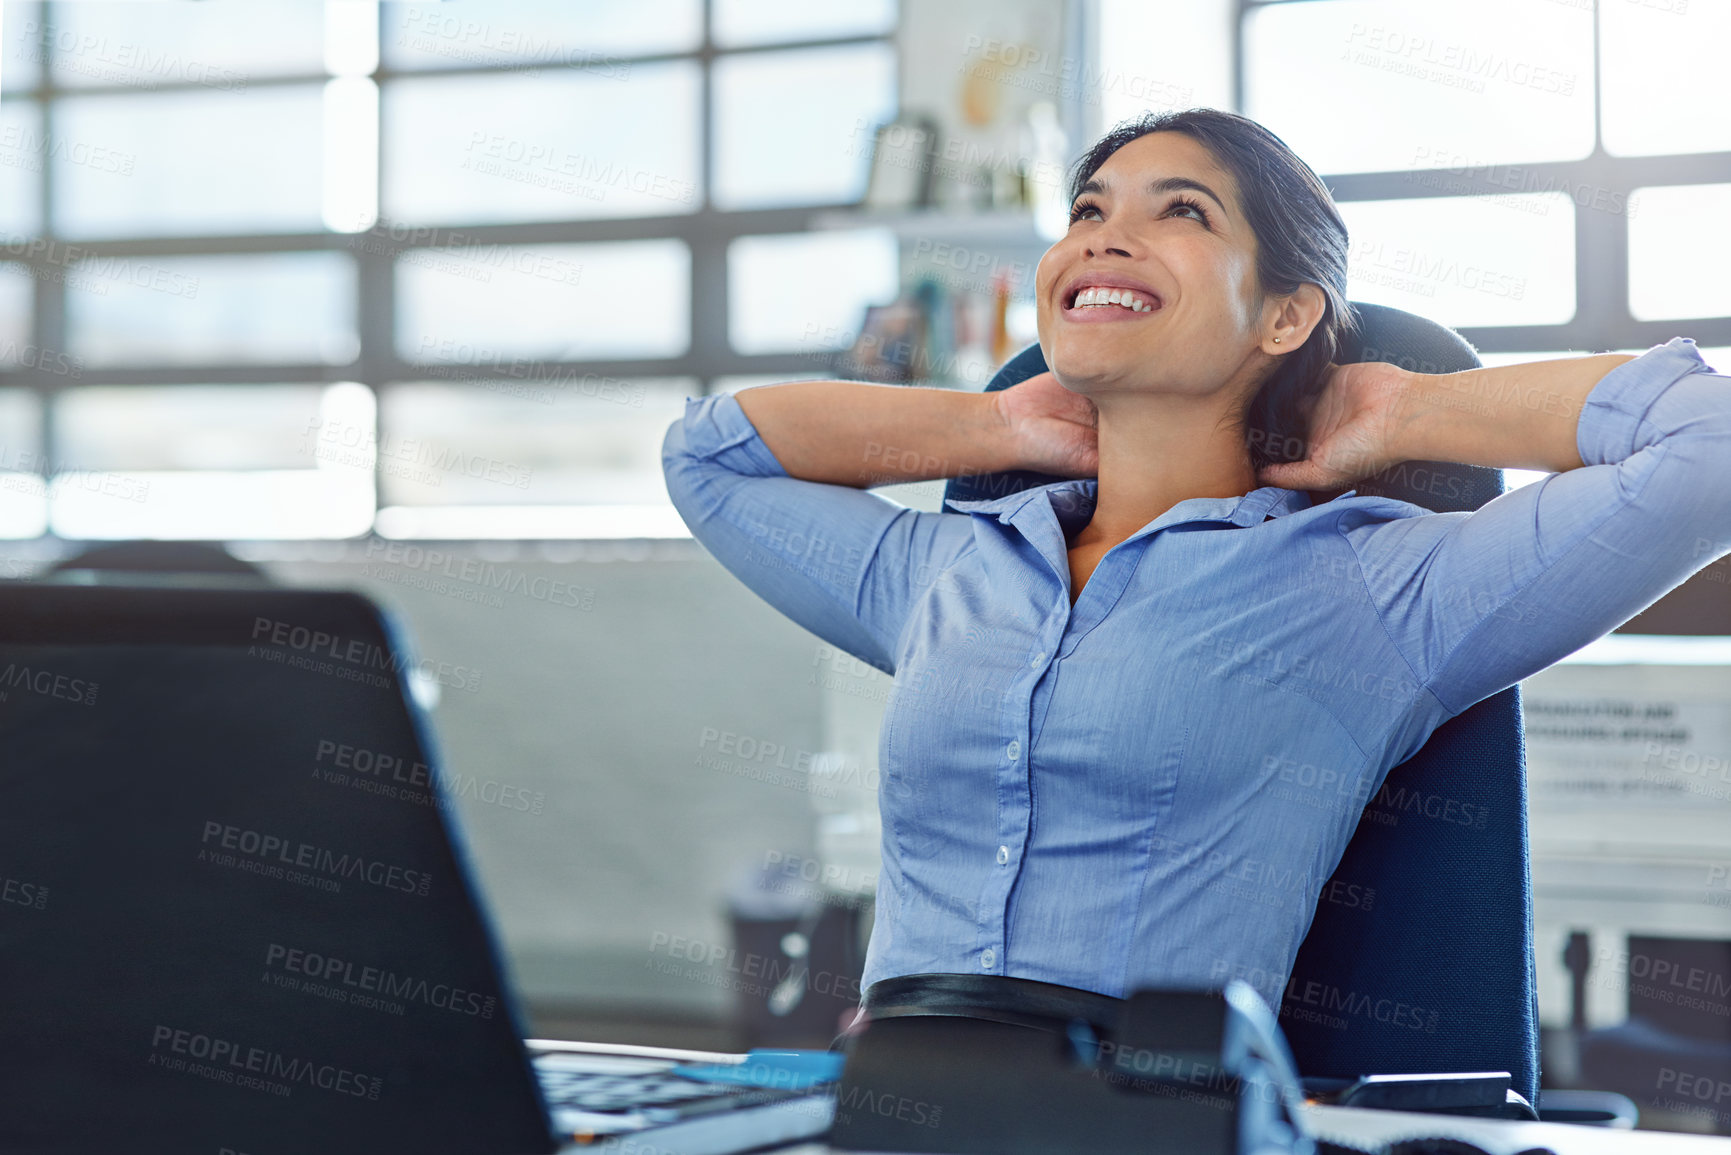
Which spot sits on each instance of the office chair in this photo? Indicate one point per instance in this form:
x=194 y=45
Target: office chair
x=1450 y=929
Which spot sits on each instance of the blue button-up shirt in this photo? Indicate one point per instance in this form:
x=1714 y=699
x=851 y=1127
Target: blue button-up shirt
x=1152 y=786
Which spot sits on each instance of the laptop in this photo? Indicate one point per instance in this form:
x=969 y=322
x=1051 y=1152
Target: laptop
x=236 y=914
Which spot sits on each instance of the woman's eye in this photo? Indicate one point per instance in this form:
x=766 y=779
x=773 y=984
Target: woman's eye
x=1197 y=210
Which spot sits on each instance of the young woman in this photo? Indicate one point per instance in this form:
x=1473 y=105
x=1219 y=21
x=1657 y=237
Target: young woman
x=1136 y=719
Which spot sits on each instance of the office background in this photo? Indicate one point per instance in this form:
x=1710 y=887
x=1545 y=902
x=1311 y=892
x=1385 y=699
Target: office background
x=402 y=297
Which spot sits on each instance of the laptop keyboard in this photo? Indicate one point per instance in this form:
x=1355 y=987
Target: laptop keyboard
x=634 y=1092
x=598 y=1095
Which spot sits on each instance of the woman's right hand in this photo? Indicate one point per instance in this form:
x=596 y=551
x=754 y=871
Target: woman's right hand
x=1054 y=430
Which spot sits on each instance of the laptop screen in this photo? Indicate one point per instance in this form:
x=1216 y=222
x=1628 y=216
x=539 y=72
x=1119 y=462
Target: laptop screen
x=232 y=914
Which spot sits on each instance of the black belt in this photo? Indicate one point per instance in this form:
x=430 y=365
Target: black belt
x=995 y=998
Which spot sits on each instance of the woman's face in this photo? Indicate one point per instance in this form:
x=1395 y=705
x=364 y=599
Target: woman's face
x=1160 y=219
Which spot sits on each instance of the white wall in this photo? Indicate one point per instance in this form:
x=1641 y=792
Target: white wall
x=604 y=712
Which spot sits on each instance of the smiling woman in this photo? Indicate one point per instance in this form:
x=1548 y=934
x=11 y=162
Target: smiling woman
x=1280 y=245
x=1103 y=684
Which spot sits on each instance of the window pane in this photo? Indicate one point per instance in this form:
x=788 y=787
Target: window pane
x=772 y=149
x=218 y=462
x=23 y=494
x=216 y=45
x=1501 y=260
x=21 y=50
x=1367 y=86
x=1664 y=77
x=486 y=33
x=16 y=294
x=187 y=163
x=20 y=429
x=187 y=427
x=806 y=292
x=1161 y=56
x=483 y=149
x=350 y=201
x=456 y=462
x=1678 y=251
x=598 y=442
x=20 y=170
x=556 y=302
x=289 y=307
x=777 y=21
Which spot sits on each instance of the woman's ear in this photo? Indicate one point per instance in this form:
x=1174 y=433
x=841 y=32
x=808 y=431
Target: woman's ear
x=1296 y=316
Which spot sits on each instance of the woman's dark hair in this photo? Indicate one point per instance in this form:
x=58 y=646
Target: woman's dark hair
x=1300 y=239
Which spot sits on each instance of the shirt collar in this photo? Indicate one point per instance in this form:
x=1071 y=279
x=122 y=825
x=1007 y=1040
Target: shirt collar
x=1074 y=500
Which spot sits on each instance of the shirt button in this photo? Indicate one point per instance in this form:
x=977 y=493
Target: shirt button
x=1014 y=749
x=988 y=958
x=1003 y=855
x=1035 y=660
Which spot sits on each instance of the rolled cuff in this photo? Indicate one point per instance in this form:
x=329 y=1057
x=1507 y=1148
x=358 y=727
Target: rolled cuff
x=1613 y=425
x=717 y=429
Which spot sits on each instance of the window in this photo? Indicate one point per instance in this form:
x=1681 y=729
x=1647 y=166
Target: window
x=785 y=295
x=1679 y=248
x=1663 y=65
x=295 y=308
x=15 y=310
x=20 y=173
x=278 y=461
x=1538 y=174
x=1465 y=260
x=839 y=89
x=488 y=148
x=20 y=46
x=417 y=237
x=175 y=163
x=1159 y=57
x=578 y=457
x=23 y=492
x=1383 y=85
x=548 y=302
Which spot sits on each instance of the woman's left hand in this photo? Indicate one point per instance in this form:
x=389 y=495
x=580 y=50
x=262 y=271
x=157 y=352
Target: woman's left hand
x=1353 y=423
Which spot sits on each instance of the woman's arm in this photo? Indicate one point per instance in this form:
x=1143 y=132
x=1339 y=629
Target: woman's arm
x=1522 y=416
x=1640 y=499
x=782 y=506
x=1373 y=415
x=848 y=433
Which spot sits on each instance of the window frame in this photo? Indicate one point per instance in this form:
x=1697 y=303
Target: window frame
x=1602 y=319
x=707 y=232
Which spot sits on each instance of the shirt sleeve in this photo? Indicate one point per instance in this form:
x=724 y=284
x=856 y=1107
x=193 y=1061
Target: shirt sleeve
x=844 y=563
x=1477 y=601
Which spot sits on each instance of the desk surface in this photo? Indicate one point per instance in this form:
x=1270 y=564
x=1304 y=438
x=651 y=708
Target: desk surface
x=1351 y=1125
x=1340 y=1124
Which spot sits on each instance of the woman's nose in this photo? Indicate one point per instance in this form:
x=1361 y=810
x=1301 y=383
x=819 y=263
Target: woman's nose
x=1109 y=237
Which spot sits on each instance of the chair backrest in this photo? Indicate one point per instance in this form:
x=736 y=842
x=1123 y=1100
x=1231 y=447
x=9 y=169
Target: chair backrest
x=1420 y=957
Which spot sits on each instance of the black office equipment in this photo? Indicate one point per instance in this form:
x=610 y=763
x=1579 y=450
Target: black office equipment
x=1201 y=1072
x=237 y=911
x=1483 y=1093
x=1433 y=917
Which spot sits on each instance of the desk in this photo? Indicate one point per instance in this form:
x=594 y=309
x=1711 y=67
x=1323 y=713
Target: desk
x=1339 y=1124
x=1365 y=1128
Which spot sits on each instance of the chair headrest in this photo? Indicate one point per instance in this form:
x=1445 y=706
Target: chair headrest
x=1382 y=334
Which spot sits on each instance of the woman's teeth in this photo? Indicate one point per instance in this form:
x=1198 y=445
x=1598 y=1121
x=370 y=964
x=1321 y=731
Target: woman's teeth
x=1124 y=298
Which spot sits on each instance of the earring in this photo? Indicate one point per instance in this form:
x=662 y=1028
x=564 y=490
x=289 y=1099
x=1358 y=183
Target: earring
x=1277 y=340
